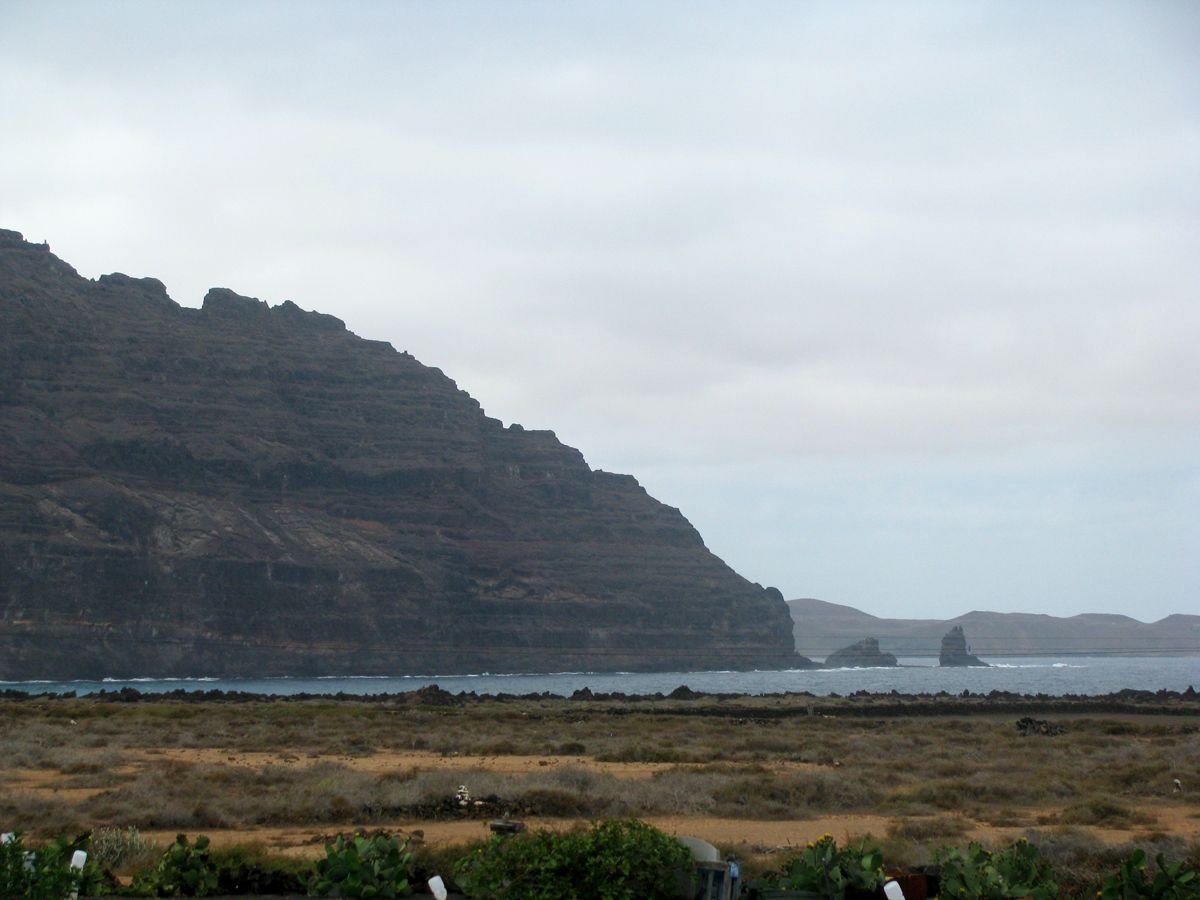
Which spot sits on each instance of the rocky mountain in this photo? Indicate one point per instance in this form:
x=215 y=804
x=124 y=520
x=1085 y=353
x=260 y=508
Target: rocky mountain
x=253 y=490
x=822 y=627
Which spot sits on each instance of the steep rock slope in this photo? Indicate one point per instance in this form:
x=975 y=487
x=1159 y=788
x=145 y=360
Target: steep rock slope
x=244 y=490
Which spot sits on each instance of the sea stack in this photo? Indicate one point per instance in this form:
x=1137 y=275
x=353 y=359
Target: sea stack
x=863 y=655
x=954 y=650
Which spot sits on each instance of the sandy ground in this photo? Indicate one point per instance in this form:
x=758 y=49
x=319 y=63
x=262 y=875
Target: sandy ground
x=400 y=760
x=760 y=836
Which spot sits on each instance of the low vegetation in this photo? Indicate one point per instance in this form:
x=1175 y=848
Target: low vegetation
x=74 y=764
x=616 y=859
x=364 y=866
x=828 y=871
x=1087 y=797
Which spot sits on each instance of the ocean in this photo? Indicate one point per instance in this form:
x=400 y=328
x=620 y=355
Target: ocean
x=1079 y=675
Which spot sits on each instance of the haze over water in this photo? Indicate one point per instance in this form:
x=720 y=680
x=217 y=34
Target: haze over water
x=1026 y=675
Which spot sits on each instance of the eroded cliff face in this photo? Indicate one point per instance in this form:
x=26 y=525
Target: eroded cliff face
x=248 y=490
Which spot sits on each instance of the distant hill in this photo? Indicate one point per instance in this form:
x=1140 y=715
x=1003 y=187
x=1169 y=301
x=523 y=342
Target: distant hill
x=822 y=628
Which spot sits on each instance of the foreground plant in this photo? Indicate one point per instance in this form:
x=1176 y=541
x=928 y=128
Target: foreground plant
x=828 y=871
x=46 y=873
x=618 y=859
x=979 y=874
x=1178 y=881
x=185 y=870
x=375 y=866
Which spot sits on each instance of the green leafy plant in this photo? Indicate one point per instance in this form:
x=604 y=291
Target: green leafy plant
x=45 y=873
x=828 y=871
x=979 y=874
x=617 y=859
x=1177 y=881
x=185 y=870
x=375 y=866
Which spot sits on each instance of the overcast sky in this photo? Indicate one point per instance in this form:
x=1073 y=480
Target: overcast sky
x=897 y=302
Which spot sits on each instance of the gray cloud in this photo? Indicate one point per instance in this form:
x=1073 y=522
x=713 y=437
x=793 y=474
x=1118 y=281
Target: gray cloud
x=904 y=247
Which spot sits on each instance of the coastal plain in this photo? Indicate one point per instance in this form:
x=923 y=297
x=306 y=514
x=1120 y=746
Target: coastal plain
x=756 y=775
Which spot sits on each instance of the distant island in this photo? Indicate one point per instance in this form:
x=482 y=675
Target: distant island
x=822 y=628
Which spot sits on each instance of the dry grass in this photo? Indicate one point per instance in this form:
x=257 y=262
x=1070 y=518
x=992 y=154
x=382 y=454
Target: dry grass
x=754 y=758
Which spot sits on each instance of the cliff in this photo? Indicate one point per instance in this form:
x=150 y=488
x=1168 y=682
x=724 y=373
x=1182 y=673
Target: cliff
x=864 y=654
x=253 y=490
x=956 y=652
x=822 y=627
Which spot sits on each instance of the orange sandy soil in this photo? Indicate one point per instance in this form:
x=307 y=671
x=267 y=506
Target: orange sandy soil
x=400 y=760
x=764 y=836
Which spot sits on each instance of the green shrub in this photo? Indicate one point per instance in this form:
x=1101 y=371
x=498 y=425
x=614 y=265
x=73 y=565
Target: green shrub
x=184 y=870
x=45 y=873
x=617 y=859
x=1172 y=882
x=375 y=866
x=980 y=874
x=824 y=868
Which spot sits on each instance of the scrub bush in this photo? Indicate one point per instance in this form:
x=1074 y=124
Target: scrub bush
x=617 y=859
x=375 y=866
x=980 y=874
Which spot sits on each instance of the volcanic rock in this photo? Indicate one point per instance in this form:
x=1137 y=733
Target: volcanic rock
x=955 y=652
x=863 y=655
x=253 y=490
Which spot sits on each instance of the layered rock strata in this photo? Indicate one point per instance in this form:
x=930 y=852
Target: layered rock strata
x=253 y=490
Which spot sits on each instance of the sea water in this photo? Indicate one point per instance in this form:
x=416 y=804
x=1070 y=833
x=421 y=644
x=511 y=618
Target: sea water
x=916 y=675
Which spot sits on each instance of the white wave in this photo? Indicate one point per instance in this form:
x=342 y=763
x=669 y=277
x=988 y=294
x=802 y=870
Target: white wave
x=155 y=680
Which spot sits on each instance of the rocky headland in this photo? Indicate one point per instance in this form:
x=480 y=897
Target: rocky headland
x=252 y=490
